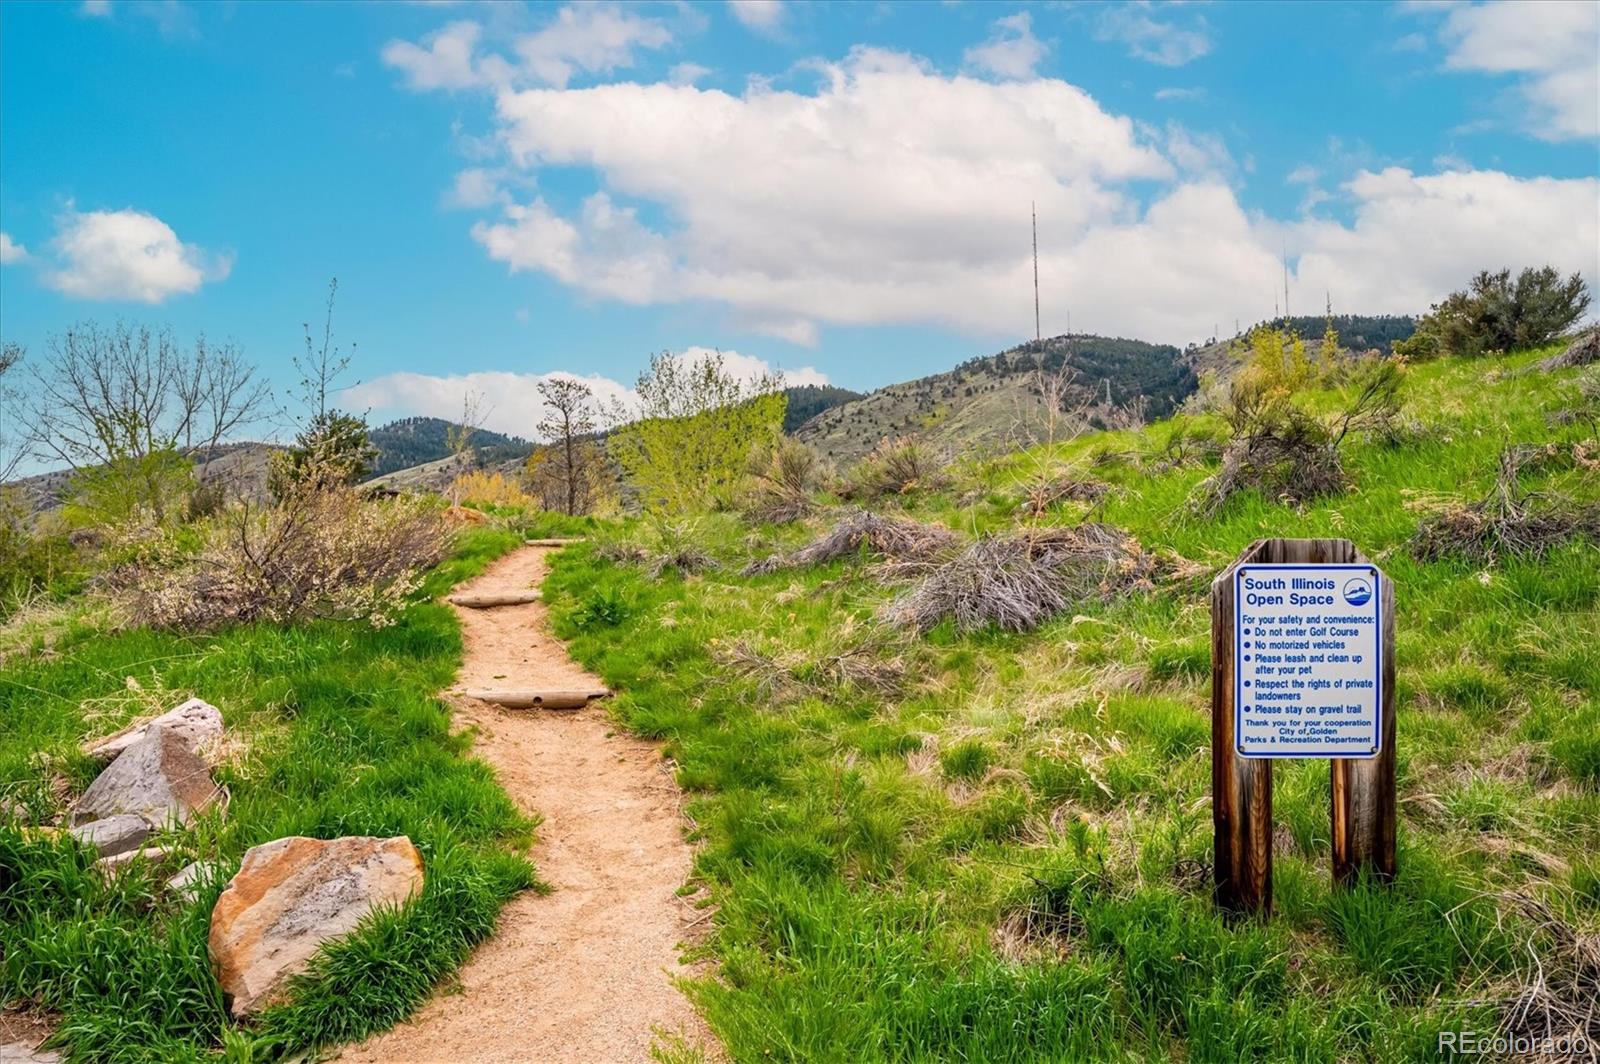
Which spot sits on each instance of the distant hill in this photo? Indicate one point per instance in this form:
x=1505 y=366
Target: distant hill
x=414 y=441
x=809 y=400
x=1357 y=332
x=995 y=400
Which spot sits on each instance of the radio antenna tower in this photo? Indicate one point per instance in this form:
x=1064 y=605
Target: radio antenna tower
x=1033 y=209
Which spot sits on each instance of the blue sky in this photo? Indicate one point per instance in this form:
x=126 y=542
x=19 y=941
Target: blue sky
x=841 y=191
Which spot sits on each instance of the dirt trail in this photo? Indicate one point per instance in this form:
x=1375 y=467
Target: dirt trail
x=584 y=973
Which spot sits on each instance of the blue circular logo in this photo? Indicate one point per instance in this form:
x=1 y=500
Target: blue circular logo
x=1357 y=592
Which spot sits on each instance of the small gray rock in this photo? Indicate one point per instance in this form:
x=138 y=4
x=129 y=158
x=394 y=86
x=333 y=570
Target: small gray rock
x=198 y=722
x=158 y=778
x=186 y=884
x=22 y=1053
x=113 y=835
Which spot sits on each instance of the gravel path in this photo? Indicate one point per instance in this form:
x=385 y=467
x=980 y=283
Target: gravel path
x=586 y=972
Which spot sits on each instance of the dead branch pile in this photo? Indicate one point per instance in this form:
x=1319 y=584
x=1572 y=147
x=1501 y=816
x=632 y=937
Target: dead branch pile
x=1510 y=520
x=1583 y=351
x=1018 y=581
x=1557 y=992
x=897 y=538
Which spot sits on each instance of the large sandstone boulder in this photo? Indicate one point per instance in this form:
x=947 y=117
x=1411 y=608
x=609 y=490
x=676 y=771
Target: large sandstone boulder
x=292 y=895
x=158 y=778
x=199 y=724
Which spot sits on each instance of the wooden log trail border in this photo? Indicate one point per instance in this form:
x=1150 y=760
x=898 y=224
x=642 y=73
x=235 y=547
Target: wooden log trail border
x=536 y=699
x=1363 y=790
x=488 y=600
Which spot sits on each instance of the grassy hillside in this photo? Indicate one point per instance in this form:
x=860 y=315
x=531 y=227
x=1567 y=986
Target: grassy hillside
x=997 y=846
x=415 y=441
x=994 y=401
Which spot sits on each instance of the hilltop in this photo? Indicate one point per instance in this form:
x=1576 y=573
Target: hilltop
x=995 y=399
x=414 y=441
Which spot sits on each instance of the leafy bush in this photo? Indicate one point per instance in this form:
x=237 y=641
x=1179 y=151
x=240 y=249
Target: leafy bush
x=1494 y=315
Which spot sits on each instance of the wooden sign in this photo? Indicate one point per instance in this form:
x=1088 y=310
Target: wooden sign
x=1316 y=680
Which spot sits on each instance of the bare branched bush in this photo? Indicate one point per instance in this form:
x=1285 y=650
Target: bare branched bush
x=897 y=466
x=863 y=531
x=324 y=551
x=1017 y=582
x=1510 y=521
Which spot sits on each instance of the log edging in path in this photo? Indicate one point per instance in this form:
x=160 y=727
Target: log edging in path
x=536 y=699
x=557 y=542
x=486 y=600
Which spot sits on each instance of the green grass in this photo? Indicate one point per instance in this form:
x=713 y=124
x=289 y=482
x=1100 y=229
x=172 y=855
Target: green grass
x=869 y=853
x=345 y=737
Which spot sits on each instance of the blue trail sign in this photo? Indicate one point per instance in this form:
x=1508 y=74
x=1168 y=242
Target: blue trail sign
x=1308 y=660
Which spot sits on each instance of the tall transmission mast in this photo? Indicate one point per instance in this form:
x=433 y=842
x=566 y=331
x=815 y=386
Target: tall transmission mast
x=1033 y=209
x=1286 y=280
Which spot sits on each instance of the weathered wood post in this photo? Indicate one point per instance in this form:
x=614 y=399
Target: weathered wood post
x=1290 y=666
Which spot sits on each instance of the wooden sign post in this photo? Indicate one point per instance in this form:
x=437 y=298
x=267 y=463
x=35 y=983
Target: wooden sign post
x=1302 y=665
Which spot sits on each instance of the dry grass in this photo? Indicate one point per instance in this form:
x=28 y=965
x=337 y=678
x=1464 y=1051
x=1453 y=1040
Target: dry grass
x=1018 y=581
x=897 y=466
x=1039 y=496
x=868 y=664
x=1556 y=993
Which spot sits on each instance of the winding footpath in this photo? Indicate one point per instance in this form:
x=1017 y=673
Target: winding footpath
x=586 y=972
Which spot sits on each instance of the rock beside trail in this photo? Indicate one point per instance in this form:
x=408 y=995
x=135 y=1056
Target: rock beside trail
x=158 y=778
x=113 y=835
x=197 y=722
x=294 y=894
x=21 y=1053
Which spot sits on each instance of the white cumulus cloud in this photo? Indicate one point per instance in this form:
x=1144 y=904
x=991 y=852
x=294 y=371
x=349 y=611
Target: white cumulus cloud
x=10 y=250
x=127 y=255
x=890 y=193
x=516 y=406
x=1554 y=46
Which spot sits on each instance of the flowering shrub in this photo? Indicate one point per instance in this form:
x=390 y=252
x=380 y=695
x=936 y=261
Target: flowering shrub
x=322 y=552
x=481 y=488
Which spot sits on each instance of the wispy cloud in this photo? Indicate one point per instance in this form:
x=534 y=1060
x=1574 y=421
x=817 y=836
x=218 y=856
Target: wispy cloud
x=1012 y=51
x=1150 y=34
